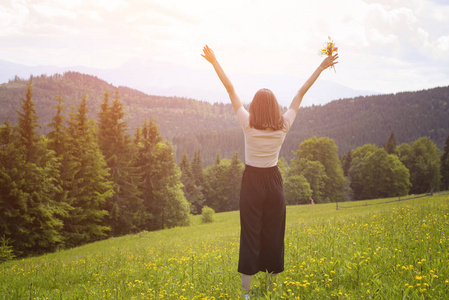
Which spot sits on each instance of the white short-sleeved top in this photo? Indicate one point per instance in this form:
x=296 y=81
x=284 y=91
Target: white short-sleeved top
x=262 y=146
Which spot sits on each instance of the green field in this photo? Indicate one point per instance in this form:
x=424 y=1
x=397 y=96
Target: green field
x=397 y=250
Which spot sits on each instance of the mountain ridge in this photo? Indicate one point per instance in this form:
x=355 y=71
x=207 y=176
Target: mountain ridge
x=170 y=80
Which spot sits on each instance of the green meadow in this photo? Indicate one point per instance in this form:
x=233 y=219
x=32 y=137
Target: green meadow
x=397 y=250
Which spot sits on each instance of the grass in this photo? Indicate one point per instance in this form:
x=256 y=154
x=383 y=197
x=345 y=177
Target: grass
x=396 y=250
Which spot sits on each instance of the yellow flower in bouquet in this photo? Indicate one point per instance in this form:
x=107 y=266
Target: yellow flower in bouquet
x=329 y=49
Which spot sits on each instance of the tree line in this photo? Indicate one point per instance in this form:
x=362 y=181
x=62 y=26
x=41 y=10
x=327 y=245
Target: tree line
x=317 y=172
x=368 y=172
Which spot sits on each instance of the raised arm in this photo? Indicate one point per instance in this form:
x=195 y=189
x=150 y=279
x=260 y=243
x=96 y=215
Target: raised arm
x=327 y=62
x=210 y=56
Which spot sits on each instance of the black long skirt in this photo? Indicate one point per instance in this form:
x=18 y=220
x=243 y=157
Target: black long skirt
x=262 y=221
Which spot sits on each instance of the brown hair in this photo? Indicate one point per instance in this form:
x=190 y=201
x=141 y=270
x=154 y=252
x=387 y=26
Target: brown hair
x=264 y=111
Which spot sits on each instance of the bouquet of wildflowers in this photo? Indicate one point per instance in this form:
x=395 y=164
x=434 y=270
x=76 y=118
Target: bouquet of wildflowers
x=329 y=49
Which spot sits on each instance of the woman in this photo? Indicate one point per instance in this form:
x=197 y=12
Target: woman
x=262 y=200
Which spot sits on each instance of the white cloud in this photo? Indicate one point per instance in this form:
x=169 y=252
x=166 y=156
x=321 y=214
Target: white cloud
x=72 y=4
x=50 y=11
x=12 y=17
x=443 y=45
x=110 y=5
x=94 y=16
x=383 y=43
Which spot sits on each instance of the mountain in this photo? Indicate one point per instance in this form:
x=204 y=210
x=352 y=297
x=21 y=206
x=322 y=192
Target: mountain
x=198 y=125
x=9 y=70
x=166 y=79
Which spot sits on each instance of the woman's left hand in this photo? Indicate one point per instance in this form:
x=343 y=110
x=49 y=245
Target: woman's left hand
x=329 y=61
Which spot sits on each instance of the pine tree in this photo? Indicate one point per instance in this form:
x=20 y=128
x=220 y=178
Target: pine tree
x=6 y=250
x=217 y=158
x=29 y=175
x=28 y=125
x=188 y=181
x=167 y=186
x=234 y=175
x=197 y=169
x=187 y=174
x=215 y=194
x=164 y=202
x=118 y=150
x=137 y=136
x=149 y=136
x=346 y=162
x=445 y=166
x=86 y=181
x=58 y=142
x=58 y=136
x=103 y=117
x=200 y=184
x=214 y=188
x=390 y=145
x=6 y=134
x=13 y=201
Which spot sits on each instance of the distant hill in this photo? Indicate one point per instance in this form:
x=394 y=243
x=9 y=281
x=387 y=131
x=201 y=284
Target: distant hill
x=175 y=115
x=350 y=122
x=166 y=79
x=193 y=125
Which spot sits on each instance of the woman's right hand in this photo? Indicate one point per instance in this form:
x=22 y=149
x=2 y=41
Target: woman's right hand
x=209 y=54
x=329 y=61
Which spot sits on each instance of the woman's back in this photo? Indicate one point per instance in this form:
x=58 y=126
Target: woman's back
x=262 y=147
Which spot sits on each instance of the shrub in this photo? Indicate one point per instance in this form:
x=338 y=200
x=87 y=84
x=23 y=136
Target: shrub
x=6 y=251
x=207 y=215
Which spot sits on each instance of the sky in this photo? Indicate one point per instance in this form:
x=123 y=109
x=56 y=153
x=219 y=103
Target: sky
x=385 y=46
